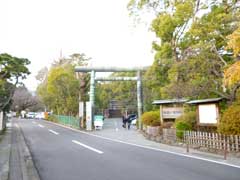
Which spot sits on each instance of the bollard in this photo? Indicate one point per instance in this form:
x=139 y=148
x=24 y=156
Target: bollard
x=187 y=144
x=225 y=149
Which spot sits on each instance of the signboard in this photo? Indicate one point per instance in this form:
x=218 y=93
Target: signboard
x=98 y=118
x=208 y=113
x=88 y=116
x=98 y=121
x=171 y=112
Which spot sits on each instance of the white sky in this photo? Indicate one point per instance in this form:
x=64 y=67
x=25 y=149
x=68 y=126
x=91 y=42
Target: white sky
x=40 y=29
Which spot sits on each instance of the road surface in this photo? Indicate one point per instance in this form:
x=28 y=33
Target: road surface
x=63 y=154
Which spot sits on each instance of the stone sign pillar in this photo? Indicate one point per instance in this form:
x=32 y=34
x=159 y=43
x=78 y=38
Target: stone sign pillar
x=1 y=121
x=139 y=98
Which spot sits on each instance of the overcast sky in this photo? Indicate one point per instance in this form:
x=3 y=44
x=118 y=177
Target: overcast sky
x=40 y=29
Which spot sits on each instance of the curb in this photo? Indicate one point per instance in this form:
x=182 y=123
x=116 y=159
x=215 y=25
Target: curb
x=29 y=170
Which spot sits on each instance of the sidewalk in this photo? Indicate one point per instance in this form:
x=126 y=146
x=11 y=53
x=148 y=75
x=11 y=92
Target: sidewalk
x=5 y=148
x=15 y=159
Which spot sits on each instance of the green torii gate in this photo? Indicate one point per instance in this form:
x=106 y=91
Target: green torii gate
x=137 y=78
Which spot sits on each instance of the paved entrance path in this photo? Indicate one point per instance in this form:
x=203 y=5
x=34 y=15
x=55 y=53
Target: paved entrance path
x=115 y=124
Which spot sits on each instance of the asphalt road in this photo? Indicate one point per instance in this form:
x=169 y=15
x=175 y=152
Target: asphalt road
x=63 y=154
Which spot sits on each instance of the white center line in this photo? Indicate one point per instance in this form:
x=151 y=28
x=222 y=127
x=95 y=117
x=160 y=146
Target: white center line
x=88 y=147
x=54 y=132
x=41 y=126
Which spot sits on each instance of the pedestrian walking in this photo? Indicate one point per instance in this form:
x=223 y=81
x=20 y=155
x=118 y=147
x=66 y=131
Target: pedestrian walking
x=124 y=121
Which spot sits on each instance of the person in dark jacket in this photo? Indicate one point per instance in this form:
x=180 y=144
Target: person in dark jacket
x=124 y=120
x=129 y=119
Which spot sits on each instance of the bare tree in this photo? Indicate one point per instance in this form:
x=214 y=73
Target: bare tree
x=23 y=99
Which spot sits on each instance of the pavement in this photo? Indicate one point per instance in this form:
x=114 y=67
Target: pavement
x=5 y=148
x=15 y=158
x=38 y=149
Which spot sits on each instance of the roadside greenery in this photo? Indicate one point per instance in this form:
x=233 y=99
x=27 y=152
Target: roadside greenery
x=230 y=121
x=185 y=122
x=151 y=118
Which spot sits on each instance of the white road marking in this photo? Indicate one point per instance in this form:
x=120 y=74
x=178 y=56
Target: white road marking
x=151 y=148
x=41 y=126
x=54 y=132
x=33 y=122
x=88 y=147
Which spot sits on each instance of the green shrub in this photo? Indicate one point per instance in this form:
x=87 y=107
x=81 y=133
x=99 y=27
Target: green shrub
x=151 y=118
x=52 y=118
x=185 y=122
x=230 y=121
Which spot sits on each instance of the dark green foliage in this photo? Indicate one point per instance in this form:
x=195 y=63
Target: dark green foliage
x=12 y=71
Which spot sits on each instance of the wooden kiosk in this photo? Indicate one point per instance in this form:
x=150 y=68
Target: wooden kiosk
x=208 y=112
x=170 y=109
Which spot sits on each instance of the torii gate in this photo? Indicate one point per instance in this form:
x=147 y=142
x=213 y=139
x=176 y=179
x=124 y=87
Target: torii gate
x=137 y=78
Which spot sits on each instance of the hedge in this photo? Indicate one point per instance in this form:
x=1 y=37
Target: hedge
x=230 y=121
x=151 y=118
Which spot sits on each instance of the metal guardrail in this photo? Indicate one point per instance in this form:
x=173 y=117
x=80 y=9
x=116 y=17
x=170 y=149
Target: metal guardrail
x=68 y=120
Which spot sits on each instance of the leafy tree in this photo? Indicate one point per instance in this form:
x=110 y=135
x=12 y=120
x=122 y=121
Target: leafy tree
x=234 y=42
x=124 y=91
x=12 y=71
x=154 y=79
x=190 y=51
x=232 y=72
x=232 y=79
x=61 y=92
x=60 y=88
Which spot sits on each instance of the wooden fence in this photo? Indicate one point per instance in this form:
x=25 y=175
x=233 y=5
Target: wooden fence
x=216 y=141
